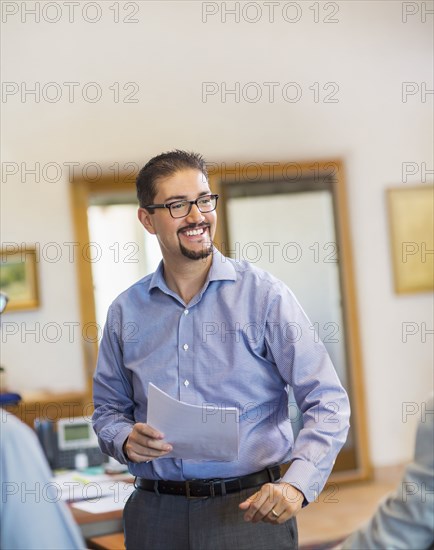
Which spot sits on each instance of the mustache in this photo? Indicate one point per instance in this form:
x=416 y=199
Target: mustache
x=192 y=226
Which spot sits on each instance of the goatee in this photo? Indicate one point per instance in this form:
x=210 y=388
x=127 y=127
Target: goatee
x=197 y=255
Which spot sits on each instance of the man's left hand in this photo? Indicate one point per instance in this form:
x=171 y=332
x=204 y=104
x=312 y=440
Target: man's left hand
x=273 y=503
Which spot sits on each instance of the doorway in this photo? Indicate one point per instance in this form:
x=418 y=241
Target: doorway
x=124 y=251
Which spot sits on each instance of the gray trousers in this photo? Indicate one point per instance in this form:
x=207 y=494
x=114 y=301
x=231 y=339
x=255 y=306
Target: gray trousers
x=166 y=522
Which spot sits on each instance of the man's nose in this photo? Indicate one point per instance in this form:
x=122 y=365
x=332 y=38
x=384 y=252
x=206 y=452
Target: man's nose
x=195 y=215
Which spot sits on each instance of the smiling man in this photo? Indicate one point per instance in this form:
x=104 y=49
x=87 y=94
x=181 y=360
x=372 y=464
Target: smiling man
x=248 y=503
x=187 y=231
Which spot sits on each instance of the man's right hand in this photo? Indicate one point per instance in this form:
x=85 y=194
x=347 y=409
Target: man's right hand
x=145 y=443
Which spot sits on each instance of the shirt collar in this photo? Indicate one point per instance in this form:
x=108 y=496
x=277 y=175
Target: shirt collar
x=157 y=280
x=222 y=269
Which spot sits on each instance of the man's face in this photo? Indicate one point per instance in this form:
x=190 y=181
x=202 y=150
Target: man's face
x=190 y=237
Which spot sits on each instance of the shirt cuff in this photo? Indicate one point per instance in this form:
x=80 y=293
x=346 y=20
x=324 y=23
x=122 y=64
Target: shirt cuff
x=119 y=441
x=305 y=477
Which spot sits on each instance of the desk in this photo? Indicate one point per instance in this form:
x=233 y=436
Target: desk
x=107 y=542
x=96 y=525
x=98 y=528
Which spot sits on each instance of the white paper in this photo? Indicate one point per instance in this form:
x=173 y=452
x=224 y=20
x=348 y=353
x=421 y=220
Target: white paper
x=111 y=503
x=72 y=485
x=196 y=432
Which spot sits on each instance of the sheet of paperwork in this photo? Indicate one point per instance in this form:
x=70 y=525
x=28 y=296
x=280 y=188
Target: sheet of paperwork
x=115 y=501
x=196 y=432
x=94 y=493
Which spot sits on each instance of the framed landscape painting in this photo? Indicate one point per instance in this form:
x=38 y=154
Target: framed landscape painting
x=18 y=277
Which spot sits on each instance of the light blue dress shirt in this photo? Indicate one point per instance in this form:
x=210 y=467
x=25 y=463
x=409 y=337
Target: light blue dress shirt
x=242 y=341
x=31 y=512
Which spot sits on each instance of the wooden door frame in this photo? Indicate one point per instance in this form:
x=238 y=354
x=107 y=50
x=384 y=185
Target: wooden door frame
x=81 y=191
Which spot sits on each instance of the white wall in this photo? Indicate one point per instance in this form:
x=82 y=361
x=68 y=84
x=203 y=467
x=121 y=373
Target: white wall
x=170 y=53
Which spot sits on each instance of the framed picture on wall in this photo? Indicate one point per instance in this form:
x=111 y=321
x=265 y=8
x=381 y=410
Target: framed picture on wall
x=18 y=277
x=411 y=217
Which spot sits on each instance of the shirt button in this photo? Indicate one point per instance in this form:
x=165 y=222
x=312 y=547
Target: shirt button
x=186 y=383
x=185 y=346
x=186 y=311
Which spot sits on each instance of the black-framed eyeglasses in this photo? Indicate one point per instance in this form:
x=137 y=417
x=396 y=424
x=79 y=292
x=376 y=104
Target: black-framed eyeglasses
x=182 y=208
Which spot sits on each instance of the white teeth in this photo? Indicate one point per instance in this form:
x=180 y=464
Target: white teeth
x=194 y=232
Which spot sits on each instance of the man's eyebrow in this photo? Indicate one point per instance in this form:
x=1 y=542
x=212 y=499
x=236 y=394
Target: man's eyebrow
x=184 y=197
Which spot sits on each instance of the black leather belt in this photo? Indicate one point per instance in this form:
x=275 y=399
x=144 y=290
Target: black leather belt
x=209 y=487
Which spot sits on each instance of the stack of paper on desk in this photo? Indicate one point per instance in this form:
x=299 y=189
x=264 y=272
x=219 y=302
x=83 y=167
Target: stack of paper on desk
x=196 y=432
x=72 y=485
x=116 y=501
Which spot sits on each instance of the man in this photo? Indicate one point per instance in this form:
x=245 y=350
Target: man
x=405 y=518
x=32 y=516
x=260 y=345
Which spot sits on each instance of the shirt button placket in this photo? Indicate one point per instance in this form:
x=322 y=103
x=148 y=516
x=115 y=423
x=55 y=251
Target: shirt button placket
x=185 y=355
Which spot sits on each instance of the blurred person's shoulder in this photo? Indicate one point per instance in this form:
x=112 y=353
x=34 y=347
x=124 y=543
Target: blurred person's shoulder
x=10 y=424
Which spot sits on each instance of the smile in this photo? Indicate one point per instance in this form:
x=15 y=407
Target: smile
x=194 y=232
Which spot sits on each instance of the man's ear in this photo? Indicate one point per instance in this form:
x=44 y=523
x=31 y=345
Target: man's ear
x=146 y=220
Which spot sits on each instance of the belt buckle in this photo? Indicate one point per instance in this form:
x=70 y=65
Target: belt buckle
x=188 y=490
x=209 y=483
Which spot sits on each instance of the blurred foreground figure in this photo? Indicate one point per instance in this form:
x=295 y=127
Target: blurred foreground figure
x=32 y=517
x=406 y=518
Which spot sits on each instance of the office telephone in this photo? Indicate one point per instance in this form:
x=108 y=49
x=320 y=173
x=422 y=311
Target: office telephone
x=66 y=438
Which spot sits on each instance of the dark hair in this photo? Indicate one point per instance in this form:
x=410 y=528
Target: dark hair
x=163 y=166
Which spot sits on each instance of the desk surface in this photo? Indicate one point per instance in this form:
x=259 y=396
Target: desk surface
x=96 y=525
x=102 y=523
x=107 y=542
x=85 y=518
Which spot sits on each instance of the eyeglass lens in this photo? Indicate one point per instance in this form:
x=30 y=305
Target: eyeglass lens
x=180 y=209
